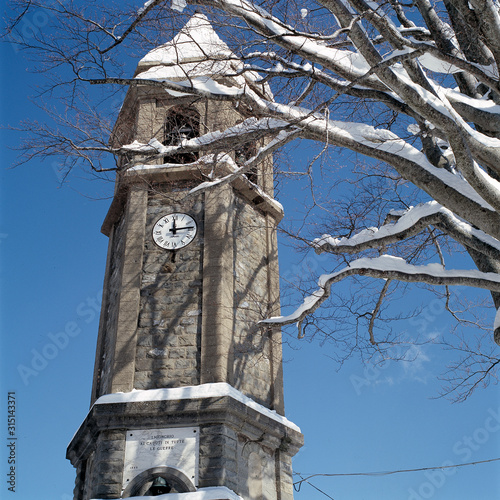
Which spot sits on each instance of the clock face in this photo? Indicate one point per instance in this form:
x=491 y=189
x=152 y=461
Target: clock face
x=174 y=231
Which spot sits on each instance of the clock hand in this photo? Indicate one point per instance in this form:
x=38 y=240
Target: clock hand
x=185 y=227
x=173 y=229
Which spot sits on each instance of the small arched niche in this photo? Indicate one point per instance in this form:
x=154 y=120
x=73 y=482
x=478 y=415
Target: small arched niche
x=181 y=124
x=142 y=484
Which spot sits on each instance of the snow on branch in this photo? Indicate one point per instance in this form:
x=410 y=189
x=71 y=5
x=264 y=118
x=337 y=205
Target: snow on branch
x=282 y=138
x=481 y=111
x=348 y=64
x=412 y=222
x=204 y=87
x=449 y=189
x=250 y=129
x=386 y=267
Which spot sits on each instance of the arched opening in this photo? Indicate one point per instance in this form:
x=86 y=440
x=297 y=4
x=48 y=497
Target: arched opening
x=181 y=124
x=158 y=481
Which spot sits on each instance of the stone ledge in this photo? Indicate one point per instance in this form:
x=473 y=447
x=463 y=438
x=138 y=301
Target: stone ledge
x=214 y=493
x=226 y=409
x=193 y=172
x=194 y=392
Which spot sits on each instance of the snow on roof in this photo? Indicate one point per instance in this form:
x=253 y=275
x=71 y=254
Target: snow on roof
x=197 y=41
x=194 y=54
x=194 y=77
x=218 y=389
x=213 y=493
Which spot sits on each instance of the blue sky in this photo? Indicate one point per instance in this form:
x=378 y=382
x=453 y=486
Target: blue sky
x=362 y=418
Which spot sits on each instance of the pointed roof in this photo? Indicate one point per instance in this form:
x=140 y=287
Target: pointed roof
x=196 y=56
x=196 y=42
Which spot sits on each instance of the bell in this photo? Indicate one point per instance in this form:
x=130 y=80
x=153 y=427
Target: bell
x=160 y=486
x=159 y=481
x=184 y=132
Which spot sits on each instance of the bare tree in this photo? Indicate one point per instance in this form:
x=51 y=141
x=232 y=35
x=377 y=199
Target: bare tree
x=412 y=87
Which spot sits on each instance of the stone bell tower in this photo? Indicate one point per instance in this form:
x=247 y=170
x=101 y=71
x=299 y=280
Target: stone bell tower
x=187 y=397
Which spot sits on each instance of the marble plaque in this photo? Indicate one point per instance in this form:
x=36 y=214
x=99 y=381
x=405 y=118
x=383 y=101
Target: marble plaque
x=176 y=447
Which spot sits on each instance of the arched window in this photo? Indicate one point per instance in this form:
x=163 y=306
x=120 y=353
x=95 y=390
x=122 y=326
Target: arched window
x=181 y=124
x=158 y=481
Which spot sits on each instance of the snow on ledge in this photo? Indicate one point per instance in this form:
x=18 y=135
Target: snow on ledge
x=214 y=493
x=219 y=389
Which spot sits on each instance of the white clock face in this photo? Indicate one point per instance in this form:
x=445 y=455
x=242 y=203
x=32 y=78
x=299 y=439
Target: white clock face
x=174 y=231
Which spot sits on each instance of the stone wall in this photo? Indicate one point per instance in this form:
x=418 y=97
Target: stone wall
x=240 y=448
x=252 y=366
x=169 y=327
x=106 y=471
x=109 y=314
x=189 y=317
x=218 y=456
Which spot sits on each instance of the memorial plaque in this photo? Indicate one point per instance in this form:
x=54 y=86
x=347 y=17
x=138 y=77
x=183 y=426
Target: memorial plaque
x=176 y=447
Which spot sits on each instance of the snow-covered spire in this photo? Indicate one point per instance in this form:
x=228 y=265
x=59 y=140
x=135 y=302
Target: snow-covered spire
x=197 y=57
x=196 y=51
x=196 y=42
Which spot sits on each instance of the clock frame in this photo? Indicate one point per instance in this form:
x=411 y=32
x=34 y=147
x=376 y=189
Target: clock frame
x=174 y=231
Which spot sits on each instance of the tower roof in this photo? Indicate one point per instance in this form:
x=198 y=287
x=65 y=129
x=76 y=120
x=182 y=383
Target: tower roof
x=197 y=56
x=196 y=42
x=196 y=51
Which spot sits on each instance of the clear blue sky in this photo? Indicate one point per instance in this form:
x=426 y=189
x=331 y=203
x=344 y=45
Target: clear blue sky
x=358 y=419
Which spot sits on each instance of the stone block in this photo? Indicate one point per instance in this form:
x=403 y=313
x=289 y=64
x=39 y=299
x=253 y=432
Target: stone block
x=211 y=450
x=127 y=320
x=193 y=352
x=155 y=379
x=106 y=491
x=144 y=340
x=186 y=341
x=112 y=436
x=153 y=364
x=221 y=431
x=131 y=277
x=111 y=468
x=125 y=353
x=177 y=353
x=166 y=340
x=108 y=455
x=185 y=363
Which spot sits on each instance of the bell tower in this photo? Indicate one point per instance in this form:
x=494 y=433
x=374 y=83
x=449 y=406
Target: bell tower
x=187 y=395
